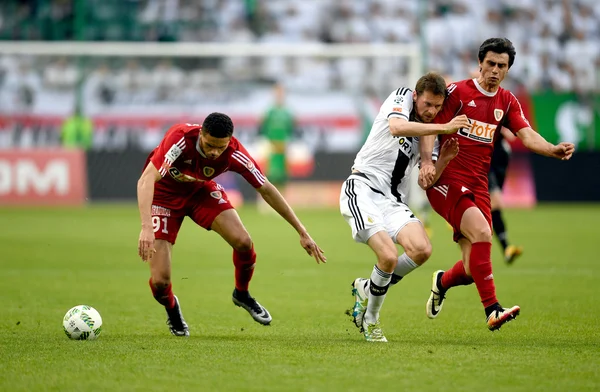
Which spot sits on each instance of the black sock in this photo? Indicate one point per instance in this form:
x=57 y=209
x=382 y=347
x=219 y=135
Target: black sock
x=241 y=294
x=492 y=308
x=499 y=228
x=395 y=279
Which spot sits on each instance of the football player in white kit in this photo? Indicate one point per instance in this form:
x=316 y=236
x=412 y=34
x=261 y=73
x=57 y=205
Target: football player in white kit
x=373 y=198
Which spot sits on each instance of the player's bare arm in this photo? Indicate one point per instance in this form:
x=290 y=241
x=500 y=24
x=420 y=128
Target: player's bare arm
x=536 y=143
x=427 y=170
x=274 y=198
x=448 y=152
x=402 y=127
x=145 y=194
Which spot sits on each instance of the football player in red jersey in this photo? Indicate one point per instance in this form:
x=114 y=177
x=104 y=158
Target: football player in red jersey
x=178 y=182
x=461 y=195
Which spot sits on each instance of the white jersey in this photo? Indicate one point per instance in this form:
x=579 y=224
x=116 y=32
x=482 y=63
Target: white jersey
x=389 y=160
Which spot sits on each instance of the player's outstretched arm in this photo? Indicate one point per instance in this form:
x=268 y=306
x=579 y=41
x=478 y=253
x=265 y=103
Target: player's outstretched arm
x=273 y=198
x=401 y=127
x=145 y=194
x=536 y=143
x=448 y=152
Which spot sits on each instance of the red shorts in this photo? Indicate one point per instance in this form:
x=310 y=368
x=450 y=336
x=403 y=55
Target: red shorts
x=451 y=201
x=203 y=207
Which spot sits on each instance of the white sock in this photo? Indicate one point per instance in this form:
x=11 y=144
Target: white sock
x=405 y=266
x=378 y=287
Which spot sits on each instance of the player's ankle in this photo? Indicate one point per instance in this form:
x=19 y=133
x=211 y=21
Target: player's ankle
x=492 y=308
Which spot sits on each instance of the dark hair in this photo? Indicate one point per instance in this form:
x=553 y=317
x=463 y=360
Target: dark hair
x=432 y=82
x=498 y=45
x=218 y=125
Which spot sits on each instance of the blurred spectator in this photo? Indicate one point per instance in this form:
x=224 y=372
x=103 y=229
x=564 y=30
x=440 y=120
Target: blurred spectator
x=60 y=75
x=22 y=85
x=543 y=31
x=167 y=79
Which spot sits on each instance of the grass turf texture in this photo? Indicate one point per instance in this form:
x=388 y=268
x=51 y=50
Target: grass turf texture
x=53 y=259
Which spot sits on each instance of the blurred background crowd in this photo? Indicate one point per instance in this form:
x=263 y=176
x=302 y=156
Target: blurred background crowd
x=116 y=104
x=557 y=41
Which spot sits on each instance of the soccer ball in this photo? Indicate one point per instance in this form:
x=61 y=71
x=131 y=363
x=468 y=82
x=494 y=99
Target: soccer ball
x=82 y=322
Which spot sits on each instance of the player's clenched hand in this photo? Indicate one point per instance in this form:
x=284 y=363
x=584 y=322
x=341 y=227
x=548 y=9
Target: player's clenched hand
x=311 y=247
x=426 y=175
x=457 y=123
x=146 y=244
x=563 y=151
x=449 y=149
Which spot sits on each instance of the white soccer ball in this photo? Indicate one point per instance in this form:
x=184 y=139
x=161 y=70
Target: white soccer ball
x=82 y=322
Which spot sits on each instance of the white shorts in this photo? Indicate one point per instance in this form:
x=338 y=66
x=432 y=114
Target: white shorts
x=369 y=211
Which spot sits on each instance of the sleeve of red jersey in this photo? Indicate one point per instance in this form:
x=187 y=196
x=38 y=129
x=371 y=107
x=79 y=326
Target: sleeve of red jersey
x=169 y=149
x=451 y=107
x=515 y=118
x=242 y=163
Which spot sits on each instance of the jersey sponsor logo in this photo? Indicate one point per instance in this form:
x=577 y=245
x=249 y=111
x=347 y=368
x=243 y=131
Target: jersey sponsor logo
x=161 y=211
x=182 y=177
x=208 y=171
x=498 y=113
x=173 y=153
x=472 y=104
x=479 y=131
x=399 y=99
x=216 y=194
x=397 y=109
x=406 y=145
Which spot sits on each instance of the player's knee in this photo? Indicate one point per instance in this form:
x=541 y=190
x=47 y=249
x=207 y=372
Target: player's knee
x=386 y=261
x=482 y=234
x=242 y=242
x=420 y=251
x=161 y=281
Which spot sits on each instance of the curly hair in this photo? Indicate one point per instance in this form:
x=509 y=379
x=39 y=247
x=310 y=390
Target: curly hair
x=218 y=125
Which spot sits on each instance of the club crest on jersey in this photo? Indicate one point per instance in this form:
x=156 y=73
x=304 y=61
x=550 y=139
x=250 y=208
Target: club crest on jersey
x=498 y=113
x=216 y=194
x=208 y=171
x=479 y=131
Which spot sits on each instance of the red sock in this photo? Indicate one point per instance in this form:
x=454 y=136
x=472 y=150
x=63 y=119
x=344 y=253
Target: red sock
x=456 y=276
x=244 y=268
x=163 y=295
x=481 y=270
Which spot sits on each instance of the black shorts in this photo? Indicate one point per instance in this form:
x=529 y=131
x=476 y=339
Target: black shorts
x=496 y=178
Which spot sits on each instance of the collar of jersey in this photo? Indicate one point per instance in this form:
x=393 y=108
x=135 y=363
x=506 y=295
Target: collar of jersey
x=481 y=90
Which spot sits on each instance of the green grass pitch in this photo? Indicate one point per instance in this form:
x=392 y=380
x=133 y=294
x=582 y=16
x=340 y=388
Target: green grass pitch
x=53 y=259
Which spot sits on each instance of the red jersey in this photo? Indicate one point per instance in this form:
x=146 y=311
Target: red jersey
x=185 y=169
x=487 y=113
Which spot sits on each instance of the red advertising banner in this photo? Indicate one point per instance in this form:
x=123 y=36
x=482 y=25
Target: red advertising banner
x=42 y=177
